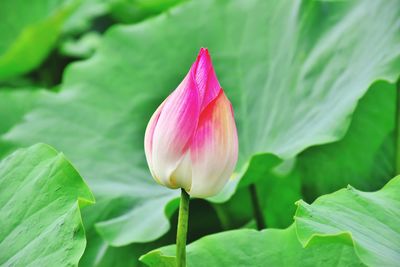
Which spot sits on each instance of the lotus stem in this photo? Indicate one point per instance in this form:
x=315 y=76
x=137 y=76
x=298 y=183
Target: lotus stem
x=181 y=234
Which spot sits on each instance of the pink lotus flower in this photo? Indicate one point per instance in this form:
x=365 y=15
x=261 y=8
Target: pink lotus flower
x=191 y=140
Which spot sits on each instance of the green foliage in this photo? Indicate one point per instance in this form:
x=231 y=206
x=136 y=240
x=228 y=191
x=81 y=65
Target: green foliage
x=15 y=104
x=40 y=195
x=83 y=47
x=364 y=157
x=270 y=247
x=370 y=221
x=29 y=32
x=111 y=122
x=346 y=228
x=130 y=11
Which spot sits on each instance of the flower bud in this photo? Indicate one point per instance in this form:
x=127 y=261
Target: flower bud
x=191 y=140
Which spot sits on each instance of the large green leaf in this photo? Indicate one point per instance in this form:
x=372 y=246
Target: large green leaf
x=130 y=11
x=276 y=194
x=28 y=32
x=82 y=18
x=40 y=221
x=370 y=221
x=364 y=158
x=271 y=247
x=293 y=69
x=14 y=104
x=123 y=11
x=92 y=17
x=100 y=254
x=346 y=228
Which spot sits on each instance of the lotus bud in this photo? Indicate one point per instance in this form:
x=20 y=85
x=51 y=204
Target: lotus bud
x=191 y=140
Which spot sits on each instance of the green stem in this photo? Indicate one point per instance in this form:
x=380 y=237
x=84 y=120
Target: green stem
x=397 y=137
x=182 y=229
x=258 y=215
x=222 y=216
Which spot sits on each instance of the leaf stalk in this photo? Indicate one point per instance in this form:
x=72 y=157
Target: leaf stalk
x=258 y=215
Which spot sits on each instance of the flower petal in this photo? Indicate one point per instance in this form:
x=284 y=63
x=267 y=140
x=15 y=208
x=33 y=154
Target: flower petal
x=174 y=130
x=148 y=138
x=205 y=77
x=182 y=176
x=214 y=148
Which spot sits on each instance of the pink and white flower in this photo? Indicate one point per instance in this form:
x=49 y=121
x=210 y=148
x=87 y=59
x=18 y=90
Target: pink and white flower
x=191 y=140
